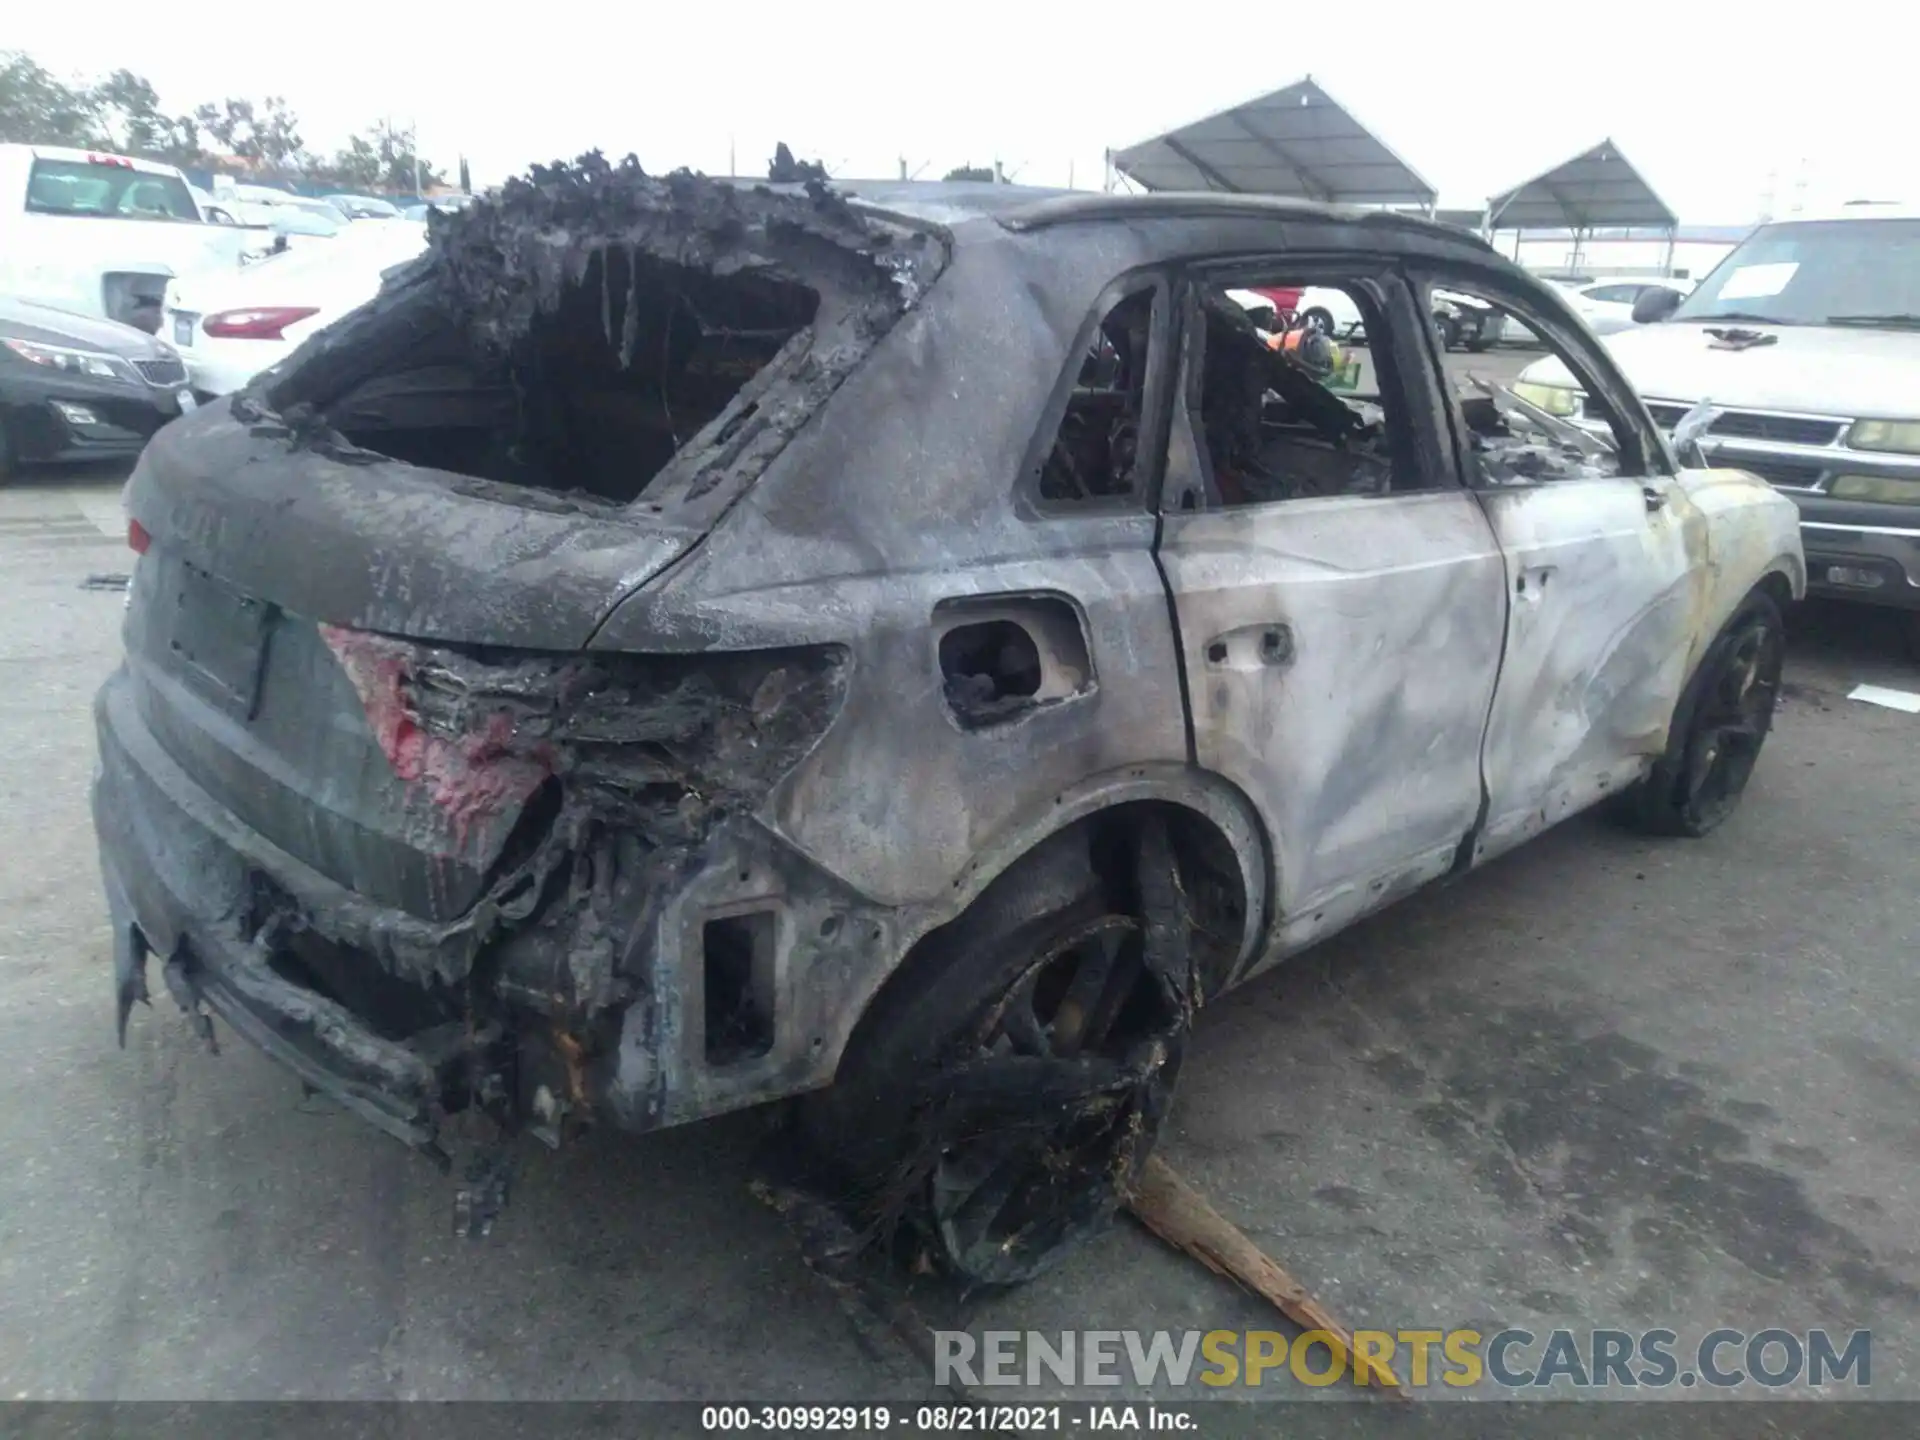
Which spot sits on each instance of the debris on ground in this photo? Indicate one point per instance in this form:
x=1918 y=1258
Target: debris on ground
x=111 y=580
x=478 y=1203
x=1886 y=695
x=1181 y=1216
x=835 y=1251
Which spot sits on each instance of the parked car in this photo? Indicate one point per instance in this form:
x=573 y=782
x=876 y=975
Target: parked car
x=100 y=234
x=287 y=225
x=1807 y=337
x=230 y=328
x=1464 y=321
x=274 y=196
x=76 y=387
x=211 y=210
x=447 y=203
x=907 y=652
x=366 y=207
x=1607 y=305
x=1331 y=311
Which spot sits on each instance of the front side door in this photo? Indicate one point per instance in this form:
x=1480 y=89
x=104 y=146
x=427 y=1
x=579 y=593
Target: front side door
x=1340 y=599
x=1604 y=586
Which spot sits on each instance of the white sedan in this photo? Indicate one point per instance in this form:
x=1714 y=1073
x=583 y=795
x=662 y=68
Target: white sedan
x=1607 y=305
x=228 y=328
x=1331 y=311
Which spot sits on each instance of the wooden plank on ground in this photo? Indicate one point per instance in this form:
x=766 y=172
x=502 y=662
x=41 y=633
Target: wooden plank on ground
x=1181 y=1216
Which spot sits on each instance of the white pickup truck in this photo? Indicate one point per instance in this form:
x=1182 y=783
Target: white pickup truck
x=101 y=234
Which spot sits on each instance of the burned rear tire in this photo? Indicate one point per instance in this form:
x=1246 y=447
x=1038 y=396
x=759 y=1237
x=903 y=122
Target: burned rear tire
x=1004 y=1090
x=1718 y=728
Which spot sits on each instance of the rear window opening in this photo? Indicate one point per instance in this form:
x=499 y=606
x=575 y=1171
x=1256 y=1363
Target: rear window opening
x=602 y=335
x=639 y=356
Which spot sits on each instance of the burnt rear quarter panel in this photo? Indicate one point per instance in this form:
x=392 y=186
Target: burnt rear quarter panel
x=903 y=493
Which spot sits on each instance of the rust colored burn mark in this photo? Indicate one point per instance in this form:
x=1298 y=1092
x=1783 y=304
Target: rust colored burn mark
x=573 y=1056
x=471 y=779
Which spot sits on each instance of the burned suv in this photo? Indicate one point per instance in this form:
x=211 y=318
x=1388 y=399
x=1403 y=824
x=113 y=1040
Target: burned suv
x=687 y=645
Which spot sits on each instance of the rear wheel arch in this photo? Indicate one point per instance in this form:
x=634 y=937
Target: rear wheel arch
x=1002 y=1033
x=1214 y=828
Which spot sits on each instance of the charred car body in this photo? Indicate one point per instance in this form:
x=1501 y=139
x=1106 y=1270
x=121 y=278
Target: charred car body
x=683 y=646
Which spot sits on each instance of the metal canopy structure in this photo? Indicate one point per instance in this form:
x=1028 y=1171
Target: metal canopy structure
x=1596 y=188
x=1298 y=141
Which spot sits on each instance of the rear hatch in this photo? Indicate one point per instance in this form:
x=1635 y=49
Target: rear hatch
x=446 y=493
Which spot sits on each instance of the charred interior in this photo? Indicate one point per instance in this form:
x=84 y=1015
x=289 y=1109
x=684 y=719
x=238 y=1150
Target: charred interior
x=594 y=325
x=1096 y=449
x=1273 y=427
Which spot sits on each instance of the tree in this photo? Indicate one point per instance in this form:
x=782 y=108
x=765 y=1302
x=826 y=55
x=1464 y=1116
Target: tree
x=267 y=138
x=466 y=180
x=36 y=108
x=969 y=172
x=127 y=113
x=122 y=112
x=383 y=157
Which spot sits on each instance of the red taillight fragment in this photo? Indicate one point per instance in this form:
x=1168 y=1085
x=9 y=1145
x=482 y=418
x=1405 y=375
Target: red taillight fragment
x=137 y=537
x=263 y=323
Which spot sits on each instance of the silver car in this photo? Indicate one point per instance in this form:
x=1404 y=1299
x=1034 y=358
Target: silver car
x=684 y=646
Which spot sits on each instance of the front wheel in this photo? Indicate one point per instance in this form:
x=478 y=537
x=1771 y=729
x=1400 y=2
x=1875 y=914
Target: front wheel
x=1318 y=318
x=1718 y=728
x=1005 y=1089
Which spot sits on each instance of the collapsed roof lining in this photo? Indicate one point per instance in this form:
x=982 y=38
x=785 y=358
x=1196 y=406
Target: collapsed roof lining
x=1598 y=187
x=1297 y=141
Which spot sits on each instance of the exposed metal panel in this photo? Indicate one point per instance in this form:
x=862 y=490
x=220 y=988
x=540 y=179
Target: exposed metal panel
x=1596 y=187
x=1296 y=141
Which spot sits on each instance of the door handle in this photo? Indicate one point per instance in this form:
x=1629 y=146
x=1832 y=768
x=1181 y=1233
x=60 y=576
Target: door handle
x=1656 y=499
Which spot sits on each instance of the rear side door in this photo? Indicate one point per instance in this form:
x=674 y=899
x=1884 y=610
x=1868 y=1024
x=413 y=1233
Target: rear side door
x=1340 y=605
x=1602 y=569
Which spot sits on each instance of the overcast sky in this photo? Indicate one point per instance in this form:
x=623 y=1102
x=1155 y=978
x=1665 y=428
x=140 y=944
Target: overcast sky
x=1707 y=100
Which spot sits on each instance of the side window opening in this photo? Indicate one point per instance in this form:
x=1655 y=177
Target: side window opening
x=1525 y=432
x=1096 y=450
x=1312 y=408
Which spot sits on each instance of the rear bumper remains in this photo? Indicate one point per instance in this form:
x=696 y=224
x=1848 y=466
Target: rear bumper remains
x=710 y=988
x=179 y=875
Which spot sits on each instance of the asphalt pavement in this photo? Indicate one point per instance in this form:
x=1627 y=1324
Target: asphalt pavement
x=1605 y=1081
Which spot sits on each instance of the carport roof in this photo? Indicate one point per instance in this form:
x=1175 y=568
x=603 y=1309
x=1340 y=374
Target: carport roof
x=1296 y=141
x=1597 y=187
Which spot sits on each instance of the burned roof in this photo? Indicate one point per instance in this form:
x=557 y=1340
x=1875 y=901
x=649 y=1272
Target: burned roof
x=1067 y=207
x=593 y=332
